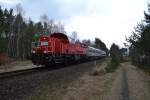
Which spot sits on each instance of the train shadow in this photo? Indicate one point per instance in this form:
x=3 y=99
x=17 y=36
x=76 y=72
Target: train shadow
x=62 y=65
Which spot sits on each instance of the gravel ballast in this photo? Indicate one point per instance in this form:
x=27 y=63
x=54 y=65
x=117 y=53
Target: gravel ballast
x=23 y=86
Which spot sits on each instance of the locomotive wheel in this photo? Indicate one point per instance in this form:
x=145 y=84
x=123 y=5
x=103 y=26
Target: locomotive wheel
x=66 y=62
x=35 y=59
x=50 y=64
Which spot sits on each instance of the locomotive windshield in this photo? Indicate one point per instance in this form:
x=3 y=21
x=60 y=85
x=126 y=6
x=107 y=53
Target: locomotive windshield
x=44 y=43
x=35 y=44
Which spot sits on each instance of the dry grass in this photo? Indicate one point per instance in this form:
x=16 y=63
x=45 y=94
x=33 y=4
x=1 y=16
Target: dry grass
x=89 y=88
x=98 y=72
x=4 y=59
x=100 y=68
x=78 y=85
x=16 y=65
x=138 y=82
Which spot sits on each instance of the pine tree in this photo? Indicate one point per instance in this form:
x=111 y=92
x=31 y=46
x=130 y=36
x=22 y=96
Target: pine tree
x=101 y=45
x=115 y=54
x=140 y=40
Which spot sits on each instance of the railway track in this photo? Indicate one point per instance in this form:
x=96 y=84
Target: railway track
x=21 y=72
x=36 y=70
x=28 y=71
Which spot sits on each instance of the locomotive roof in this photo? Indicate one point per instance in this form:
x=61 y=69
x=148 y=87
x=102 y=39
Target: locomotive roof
x=92 y=48
x=60 y=36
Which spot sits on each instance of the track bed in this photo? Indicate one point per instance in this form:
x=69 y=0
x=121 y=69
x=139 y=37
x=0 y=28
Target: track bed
x=23 y=85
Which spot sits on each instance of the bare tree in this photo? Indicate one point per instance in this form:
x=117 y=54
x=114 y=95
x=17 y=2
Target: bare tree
x=55 y=28
x=61 y=28
x=19 y=9
x=44 y=19
x=74 y=36
x=18 y=22
x=51 y=26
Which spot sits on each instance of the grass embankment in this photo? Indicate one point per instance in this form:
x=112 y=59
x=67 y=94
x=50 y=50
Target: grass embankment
x=146 y=69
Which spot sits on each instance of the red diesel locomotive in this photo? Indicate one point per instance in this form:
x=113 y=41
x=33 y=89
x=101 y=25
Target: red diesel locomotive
x=56 y=48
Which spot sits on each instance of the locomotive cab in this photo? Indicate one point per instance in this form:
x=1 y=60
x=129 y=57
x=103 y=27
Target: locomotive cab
x=41 y=46
x=50 y=48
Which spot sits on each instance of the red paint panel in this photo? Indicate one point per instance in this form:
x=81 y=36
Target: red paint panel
x=57 y=45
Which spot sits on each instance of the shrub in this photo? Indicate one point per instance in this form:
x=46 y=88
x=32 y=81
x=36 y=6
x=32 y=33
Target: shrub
x=115 y=58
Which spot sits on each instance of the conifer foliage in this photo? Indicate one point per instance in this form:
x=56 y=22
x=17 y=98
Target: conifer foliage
x=140 y=41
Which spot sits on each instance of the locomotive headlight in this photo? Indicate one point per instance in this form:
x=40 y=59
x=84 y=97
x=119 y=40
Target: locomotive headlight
x=33 y=51
x=45 y=51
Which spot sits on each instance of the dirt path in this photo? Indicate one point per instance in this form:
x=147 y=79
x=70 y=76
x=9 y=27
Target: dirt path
x=138 y=83
x=130 y=84
x=124 y=86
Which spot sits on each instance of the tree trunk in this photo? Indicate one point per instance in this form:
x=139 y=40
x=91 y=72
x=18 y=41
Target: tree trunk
x=18 y=38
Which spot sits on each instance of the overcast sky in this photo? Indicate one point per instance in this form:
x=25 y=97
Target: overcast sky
x=109 y=20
